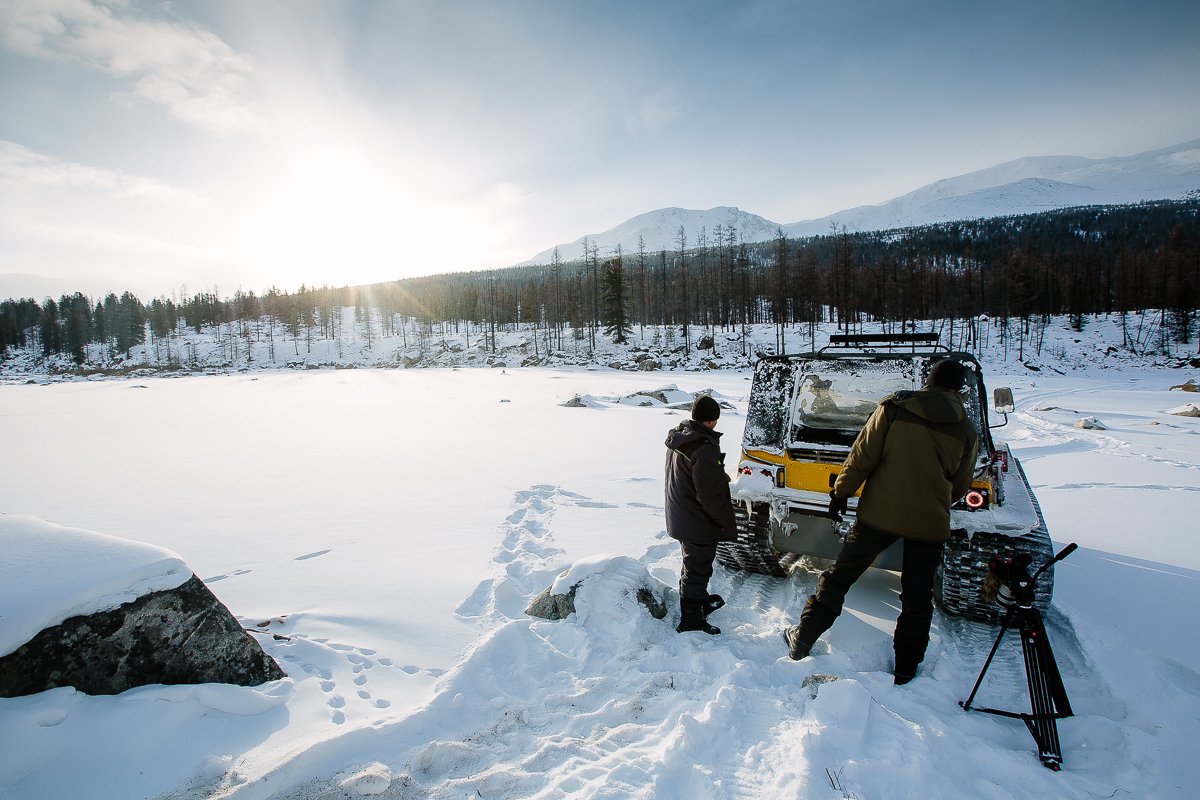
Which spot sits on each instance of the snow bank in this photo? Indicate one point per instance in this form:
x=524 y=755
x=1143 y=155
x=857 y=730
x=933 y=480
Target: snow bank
x=584 y=568
x=50 y=573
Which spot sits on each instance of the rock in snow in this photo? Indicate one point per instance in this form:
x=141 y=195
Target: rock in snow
x=103 y=615
x=629 y=577
x=1090 y=424
x=583 y=401
x=49 y=573
x=1186 y=410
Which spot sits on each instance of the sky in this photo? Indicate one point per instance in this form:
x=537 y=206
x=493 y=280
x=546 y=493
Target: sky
x=230 y=144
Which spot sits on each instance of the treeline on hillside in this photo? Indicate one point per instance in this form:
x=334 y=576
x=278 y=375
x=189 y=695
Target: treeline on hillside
x=1079 y=261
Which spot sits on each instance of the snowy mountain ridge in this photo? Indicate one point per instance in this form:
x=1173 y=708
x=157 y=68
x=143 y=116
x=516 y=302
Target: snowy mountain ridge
x=1022 y=186
x=659 y=230
x=1028 y=185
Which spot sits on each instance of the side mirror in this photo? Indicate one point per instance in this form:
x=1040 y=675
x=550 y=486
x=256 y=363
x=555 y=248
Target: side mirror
x=1003 y=400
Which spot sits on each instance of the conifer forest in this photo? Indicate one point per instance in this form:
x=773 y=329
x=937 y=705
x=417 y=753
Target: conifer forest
x=1123 y=260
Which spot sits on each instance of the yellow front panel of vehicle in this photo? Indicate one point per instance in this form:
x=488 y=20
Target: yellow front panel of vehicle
x=804 y=475
x=809 y=477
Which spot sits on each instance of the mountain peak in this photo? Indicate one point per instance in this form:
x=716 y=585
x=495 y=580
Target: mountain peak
x=659 y=230
x=1023 y=185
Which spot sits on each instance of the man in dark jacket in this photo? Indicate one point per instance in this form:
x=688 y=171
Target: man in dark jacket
x=916 y=456
x=699 y=511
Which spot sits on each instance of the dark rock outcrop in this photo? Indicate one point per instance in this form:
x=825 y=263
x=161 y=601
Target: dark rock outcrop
x=181 y=635
x=560 y=606
x=553 y=606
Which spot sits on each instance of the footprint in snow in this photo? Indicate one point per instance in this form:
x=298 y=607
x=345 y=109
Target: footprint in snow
x=322 y=673
x=233 y=574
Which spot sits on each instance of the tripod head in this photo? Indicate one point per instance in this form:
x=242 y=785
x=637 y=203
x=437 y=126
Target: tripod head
x=1009 y=583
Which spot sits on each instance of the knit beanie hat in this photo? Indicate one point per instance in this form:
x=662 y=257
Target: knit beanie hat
x=948 y=374
x=705 y=409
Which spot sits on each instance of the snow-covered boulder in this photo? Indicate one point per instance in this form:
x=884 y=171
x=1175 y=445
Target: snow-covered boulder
x=1186 y=410
x=641 y=400
x=583 y=401
x=104 y=614
x=600 y=575
x=670 y=394
x=1090 y=424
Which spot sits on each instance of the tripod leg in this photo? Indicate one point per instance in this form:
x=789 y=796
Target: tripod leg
x=1054 y=681
x=1007 y=621
x=1047 y=695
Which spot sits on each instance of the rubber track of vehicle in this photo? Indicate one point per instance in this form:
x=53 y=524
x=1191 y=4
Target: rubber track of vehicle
x=752 y=552
x=965 y=566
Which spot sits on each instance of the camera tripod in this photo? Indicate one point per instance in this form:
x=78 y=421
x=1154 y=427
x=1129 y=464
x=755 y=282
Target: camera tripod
x=1047 y=695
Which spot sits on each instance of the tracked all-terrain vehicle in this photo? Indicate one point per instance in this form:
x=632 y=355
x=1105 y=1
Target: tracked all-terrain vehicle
x=804 y=414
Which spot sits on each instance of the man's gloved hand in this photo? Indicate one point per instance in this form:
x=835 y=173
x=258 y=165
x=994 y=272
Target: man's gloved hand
x=837 y=505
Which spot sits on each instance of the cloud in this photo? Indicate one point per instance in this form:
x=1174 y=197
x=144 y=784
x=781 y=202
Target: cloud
x=27 y=168
x=656 y=111
x=198 y=78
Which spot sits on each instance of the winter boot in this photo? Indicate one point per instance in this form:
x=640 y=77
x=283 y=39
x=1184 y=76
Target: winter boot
x=815 y=619
x=797 y=649
x=910 y=651
x=713 y=602
x=691 y=617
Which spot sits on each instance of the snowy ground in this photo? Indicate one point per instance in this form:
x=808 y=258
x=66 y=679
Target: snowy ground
x=394 y=524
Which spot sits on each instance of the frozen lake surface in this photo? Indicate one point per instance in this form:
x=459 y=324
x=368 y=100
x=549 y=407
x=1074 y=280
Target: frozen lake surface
x=393 y=524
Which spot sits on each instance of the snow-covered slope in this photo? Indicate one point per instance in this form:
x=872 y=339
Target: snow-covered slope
x=1028 y=185
x=49 y=573
x=660 y=229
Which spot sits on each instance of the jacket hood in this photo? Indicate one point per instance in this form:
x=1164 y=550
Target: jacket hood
x=938 y=405
x=690 y=431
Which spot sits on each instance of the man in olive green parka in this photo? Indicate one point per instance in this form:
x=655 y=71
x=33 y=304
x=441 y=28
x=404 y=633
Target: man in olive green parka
x=914 y=458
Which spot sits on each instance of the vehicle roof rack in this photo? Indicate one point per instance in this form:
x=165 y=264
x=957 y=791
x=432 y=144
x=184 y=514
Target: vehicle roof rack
x=871 y=342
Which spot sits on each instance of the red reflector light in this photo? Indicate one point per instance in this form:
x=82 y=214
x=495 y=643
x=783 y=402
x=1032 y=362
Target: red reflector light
x=746 y=471
x=974 y=499
x=768 y=473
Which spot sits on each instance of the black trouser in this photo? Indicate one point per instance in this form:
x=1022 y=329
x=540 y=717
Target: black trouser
x=697 y=569
x=859 y=551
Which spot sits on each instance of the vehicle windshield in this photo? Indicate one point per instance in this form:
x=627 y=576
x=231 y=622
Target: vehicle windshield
x=834 y=399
